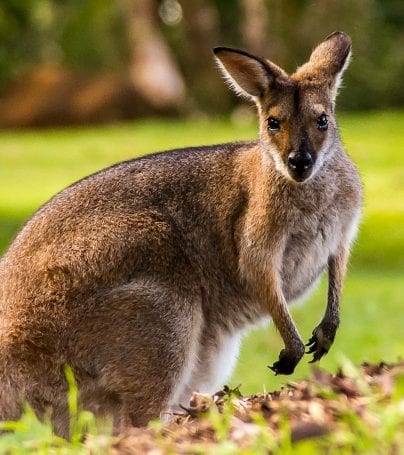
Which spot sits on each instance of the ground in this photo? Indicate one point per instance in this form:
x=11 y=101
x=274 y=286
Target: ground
x=357 y=411
x=362 y=413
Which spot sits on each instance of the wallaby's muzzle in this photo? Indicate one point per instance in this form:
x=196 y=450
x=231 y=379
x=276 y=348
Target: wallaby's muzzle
x=300 y=165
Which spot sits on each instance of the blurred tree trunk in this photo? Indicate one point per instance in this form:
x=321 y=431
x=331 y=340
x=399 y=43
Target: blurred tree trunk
x=153 y=69
x=201 y=23
x=285 y=42
x=254 y=26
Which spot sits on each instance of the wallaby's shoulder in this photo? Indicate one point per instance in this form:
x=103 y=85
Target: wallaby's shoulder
x=346 y=178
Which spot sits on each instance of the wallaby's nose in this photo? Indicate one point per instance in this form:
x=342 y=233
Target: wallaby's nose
x=300 y=164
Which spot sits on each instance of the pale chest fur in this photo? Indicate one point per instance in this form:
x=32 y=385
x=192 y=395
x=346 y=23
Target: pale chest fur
x=310 y=240
x=315 y=231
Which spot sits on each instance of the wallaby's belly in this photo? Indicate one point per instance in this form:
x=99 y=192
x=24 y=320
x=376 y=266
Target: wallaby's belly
x=308 y=248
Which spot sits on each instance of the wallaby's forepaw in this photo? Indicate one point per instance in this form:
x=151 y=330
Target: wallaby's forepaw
x=321 y=340
x=287 y=362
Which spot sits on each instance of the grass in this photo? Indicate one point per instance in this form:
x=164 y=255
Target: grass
x=36 y=164
x=31 y=435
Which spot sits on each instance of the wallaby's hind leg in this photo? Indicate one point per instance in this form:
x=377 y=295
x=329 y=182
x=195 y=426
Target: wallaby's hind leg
x=28 y=376
x=216 y=359
x=143 y=338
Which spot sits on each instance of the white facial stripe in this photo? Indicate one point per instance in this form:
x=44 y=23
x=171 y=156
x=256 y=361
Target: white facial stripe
x=273 y=153
x=279 y=164
x=323 y=153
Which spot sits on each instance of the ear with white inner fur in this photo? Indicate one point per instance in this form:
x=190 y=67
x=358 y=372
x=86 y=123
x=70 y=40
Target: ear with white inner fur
x=248 y=75
x=329 y=60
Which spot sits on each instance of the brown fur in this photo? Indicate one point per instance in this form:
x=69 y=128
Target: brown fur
x=142 y=277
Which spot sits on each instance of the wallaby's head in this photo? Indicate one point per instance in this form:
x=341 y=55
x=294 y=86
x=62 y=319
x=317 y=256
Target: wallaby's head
x=297 y=122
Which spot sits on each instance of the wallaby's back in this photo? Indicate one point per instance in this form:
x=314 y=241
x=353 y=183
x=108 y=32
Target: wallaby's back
x=169 y=217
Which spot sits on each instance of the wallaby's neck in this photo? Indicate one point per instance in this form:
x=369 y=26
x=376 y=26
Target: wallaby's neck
x=271 y=192
x=259 y=174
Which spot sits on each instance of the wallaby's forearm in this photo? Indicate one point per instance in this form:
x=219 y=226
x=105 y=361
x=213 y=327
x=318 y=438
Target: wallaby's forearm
x=336 y=274
x=279 y=312
x=265 y=283
x=324 y=334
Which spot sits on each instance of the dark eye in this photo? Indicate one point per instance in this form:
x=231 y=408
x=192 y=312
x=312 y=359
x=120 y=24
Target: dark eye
x=322 y=122
x=273 y=124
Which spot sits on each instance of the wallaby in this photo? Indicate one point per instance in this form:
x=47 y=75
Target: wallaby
x=143 y=276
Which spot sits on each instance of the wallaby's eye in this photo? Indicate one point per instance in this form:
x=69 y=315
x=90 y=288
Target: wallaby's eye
x=274 y=124
x=322 y=122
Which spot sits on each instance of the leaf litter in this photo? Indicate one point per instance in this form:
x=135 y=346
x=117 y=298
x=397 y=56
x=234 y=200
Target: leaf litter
x=312 y=408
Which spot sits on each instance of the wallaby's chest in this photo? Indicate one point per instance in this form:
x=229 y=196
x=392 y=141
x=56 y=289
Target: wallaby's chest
x=311 y=238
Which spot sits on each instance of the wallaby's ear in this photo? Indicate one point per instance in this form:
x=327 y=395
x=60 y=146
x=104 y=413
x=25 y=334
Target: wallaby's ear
x=329 y=60
x=247 y=74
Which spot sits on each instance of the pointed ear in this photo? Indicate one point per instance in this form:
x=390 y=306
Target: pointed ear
x=248 y=75
x=329 y=60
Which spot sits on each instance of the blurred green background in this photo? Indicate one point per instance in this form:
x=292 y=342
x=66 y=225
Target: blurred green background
x=141 y=73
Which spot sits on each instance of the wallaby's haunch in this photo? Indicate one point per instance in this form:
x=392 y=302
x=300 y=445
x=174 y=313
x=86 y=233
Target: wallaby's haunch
x=142 y=277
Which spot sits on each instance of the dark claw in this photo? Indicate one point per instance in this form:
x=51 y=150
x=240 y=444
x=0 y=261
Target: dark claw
x=318 y=354
x=312 y=349
x=286 y=363
x=282 y=367
x=321 y=340
x=311 y=341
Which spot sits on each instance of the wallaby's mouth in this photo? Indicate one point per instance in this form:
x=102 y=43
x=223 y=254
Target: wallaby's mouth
x=300 y=165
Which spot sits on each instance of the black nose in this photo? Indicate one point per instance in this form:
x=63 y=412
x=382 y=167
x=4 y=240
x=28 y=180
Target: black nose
x=300 y=164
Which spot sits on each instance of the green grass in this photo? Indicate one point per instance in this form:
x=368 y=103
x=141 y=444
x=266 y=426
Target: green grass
x=35 y=165
x=30 y=435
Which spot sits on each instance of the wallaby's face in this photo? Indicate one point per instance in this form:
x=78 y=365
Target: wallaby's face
x=297 y=128
x=297 y=124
